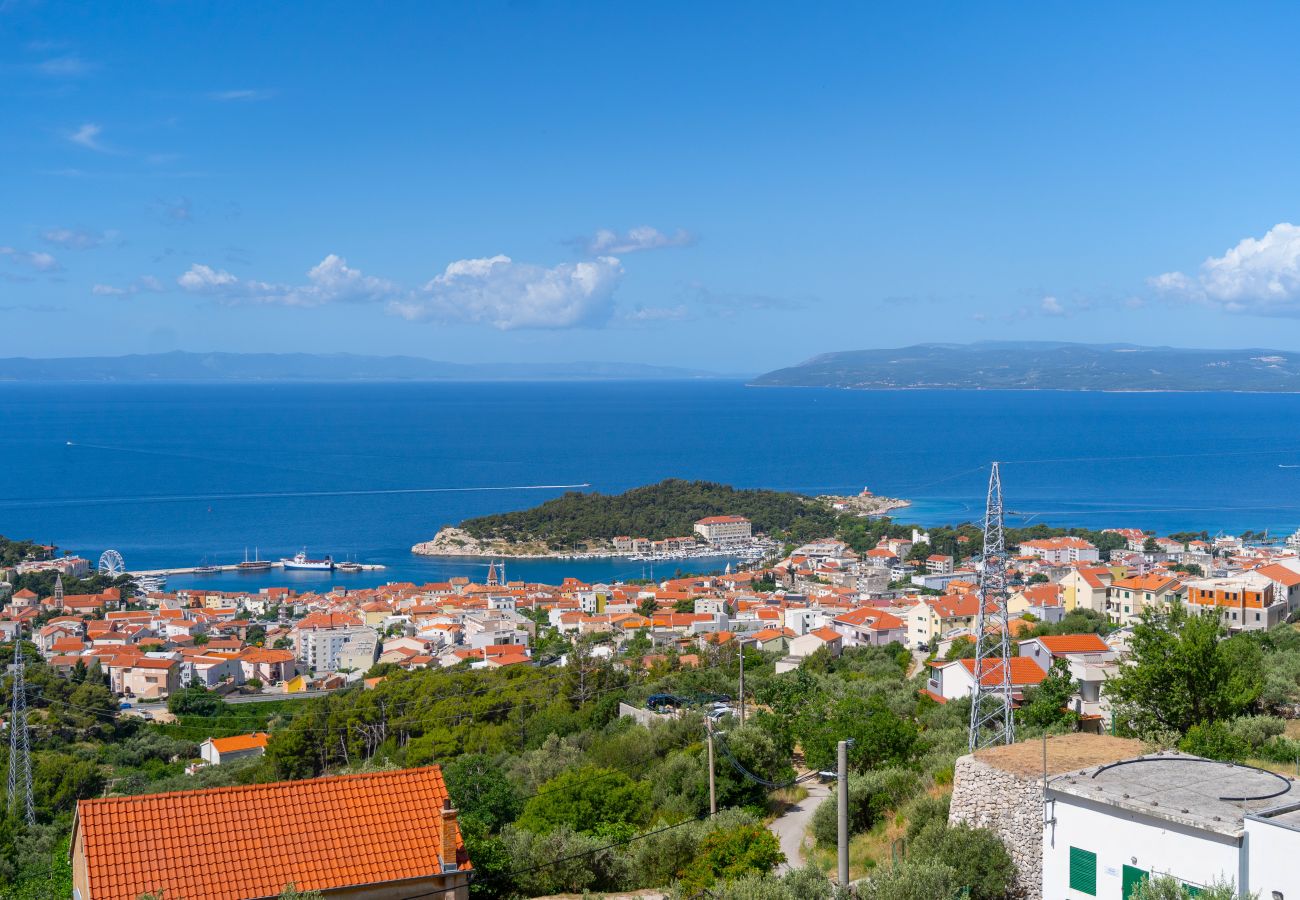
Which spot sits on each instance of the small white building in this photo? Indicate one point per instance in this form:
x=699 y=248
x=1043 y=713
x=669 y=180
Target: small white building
x=216 y=751
x=1200 y=821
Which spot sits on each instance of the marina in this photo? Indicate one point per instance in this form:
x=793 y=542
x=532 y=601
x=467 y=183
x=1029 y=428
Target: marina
x=237 y=567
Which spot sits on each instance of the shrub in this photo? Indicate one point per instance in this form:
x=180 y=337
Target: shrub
x=924 y=810
x=734 y=853
x=975 y=854
x=588 y=800
x=1256 y=731
x=911 y=880
x=870 y=796
x=1214 y=740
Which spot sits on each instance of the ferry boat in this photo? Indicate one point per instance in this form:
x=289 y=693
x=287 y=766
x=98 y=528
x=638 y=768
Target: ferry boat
x=253 y=565
x=300 y=561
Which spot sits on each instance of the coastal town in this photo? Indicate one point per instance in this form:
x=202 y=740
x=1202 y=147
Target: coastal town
x=1073 y=609
x=821 y=596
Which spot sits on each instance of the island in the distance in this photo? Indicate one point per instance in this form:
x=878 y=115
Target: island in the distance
x=1037 y=365
x=588 y=524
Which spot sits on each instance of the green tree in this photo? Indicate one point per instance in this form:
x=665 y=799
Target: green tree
x=880 y=736
x=195 y=700
x=1150 y=545
x=731 y=854
x=1183 y=670
x=1047 y=703
x=481 y=789
x=589 y=800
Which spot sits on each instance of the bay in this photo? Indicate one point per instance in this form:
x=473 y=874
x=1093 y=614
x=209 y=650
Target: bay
x=173 y=474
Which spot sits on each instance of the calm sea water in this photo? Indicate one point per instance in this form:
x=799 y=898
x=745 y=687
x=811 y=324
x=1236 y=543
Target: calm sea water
x=172 y=474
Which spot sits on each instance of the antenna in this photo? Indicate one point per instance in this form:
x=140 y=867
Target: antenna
x=20 y=750
x=992 y=719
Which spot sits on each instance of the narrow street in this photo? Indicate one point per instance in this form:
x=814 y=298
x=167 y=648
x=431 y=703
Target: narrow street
x=791 y=827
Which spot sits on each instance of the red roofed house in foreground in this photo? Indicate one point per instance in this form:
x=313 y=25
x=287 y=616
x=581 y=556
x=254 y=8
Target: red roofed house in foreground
x=376 y=836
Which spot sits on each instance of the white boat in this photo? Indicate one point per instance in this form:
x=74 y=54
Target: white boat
x=300 y=561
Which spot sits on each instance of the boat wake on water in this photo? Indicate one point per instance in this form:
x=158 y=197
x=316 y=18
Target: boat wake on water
x=180 y=498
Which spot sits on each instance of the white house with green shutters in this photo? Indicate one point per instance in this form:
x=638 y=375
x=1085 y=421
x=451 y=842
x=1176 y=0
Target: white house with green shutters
x=1107 y=827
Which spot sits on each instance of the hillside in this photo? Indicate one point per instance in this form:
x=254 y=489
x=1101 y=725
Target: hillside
x=1045 y=366
x=667 y=509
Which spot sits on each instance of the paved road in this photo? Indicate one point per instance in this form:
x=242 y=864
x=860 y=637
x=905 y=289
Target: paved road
x=791 y=828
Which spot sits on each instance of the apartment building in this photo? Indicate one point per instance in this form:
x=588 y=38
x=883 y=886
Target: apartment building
x=1061 y=550
x=1128 y=597
x=1246 y=602
x=724 y=529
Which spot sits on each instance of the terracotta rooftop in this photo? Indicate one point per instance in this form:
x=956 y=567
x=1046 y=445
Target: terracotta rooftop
x=251 y=841
x=241 y=742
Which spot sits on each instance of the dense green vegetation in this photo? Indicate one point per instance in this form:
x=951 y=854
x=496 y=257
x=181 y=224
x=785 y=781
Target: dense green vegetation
x=667 y=509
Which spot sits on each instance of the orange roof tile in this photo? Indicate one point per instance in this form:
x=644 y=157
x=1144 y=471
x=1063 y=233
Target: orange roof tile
x=1024 y=671
x=241 y=742
x=250 y=841
x=1074 y=643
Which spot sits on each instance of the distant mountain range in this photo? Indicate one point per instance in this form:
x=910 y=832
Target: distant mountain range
x=1045 y=366
x=235 y=367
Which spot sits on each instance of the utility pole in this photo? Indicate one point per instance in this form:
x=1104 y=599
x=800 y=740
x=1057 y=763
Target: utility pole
x=843 y=810
x=713 y=786
x=742 y=679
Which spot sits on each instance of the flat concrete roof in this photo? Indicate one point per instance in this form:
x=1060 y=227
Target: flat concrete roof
x=1200 y=793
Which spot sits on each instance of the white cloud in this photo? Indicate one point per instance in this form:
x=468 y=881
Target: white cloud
x=88 y=136
x=143 y=284
x=34 y=259
x=495 y=291
x=68 y=66
x=330 y=281
x=643 y=237
x=205 y=278
x=500 y=292
x=245 y=94
x=75 y=238
x=1052 y=307
x=1259 y=275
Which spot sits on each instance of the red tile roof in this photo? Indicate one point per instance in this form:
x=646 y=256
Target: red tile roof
x=241 y=742
x=1024 y=671
x=1074 y=643
x=251 y=841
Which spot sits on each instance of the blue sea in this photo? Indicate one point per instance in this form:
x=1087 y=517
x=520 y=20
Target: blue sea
x=174 y=475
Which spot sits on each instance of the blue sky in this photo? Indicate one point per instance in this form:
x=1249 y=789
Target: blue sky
x=726 y=186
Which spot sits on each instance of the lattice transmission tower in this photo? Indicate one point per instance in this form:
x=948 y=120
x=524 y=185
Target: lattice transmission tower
x=20 y=748
x=992 y=719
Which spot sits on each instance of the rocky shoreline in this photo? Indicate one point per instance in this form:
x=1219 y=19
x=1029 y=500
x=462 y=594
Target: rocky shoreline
x=451 y=541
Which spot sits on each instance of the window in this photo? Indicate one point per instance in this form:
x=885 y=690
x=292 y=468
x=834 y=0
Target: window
x=1083 y=871
x=1130 y=878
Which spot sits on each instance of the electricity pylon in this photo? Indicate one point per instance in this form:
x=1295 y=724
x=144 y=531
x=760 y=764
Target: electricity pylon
x=20 y=749
x=992 y=719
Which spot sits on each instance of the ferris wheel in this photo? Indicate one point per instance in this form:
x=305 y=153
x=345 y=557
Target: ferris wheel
x=111 y=564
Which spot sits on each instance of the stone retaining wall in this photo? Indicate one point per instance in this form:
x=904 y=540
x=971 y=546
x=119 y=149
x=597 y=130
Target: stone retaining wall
x=1010 y=805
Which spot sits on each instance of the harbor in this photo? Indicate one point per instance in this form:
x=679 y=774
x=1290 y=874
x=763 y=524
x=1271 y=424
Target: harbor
x=237 y=567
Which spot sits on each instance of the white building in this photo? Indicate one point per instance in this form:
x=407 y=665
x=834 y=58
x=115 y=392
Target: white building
x=1200 y=821
x=328 y=650
x=724 y=529
x=216 y=751
x=1061 y=550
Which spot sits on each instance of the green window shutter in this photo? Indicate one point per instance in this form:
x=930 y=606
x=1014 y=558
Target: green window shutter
x=1083 y=871
x=1131 y=878
x=1192 y=890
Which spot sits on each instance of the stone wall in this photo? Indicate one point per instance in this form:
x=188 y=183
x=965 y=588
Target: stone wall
x=1011 y=805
